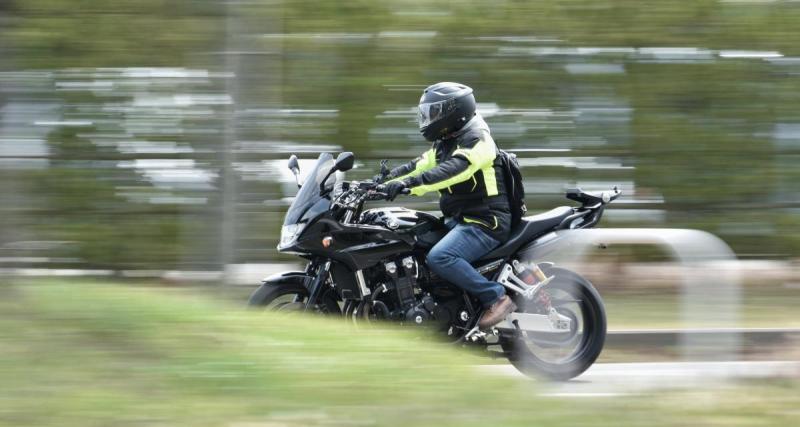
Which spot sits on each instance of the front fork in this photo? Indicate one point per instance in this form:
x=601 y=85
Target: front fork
x=316 y=286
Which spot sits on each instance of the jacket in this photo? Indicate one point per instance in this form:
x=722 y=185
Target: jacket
x=466 y=170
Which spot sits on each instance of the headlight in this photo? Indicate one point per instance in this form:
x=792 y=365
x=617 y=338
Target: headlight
x=289 y=234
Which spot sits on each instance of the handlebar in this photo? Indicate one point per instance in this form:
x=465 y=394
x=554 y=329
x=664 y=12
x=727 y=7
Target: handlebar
x=381 y=188
x=369 y=190
x=376 y=195
x=378 y=192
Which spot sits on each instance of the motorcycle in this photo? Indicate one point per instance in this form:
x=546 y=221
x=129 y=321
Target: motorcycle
x=369 y=265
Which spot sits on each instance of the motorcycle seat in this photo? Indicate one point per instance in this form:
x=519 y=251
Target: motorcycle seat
x=529 y=228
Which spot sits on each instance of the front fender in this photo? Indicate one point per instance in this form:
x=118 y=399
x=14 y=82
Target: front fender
x=298 y=279
x=292 y=281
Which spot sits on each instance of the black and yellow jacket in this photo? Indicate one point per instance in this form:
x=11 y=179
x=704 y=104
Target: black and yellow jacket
x=467 y=172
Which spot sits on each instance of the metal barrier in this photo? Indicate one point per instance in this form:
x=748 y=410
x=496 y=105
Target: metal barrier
x=711 y=283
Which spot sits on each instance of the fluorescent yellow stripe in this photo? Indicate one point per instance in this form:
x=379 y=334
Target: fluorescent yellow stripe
x=460 y=177
x=426 y=162
x=480 y=156
x=490 y=180
x=483 y=223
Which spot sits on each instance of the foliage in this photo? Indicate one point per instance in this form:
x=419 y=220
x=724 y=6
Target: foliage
x=699 y=130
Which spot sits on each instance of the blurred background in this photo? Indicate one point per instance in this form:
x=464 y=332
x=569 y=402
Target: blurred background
x=148 y=139
x=145 y=142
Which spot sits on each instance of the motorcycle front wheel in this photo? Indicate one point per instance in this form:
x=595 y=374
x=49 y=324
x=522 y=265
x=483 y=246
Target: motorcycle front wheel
x=564 y=355
x=285 y=298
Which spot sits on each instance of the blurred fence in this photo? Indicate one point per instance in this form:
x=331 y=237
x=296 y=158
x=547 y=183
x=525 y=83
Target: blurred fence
x=151 y=135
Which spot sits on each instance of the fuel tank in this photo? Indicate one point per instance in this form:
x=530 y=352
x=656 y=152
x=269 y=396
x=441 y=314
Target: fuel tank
x=395 y=218
x=430 y=231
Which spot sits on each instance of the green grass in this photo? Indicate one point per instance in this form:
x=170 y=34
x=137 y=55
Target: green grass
x=100 y=355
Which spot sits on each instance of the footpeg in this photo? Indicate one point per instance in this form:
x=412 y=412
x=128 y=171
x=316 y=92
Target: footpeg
x=474 y=335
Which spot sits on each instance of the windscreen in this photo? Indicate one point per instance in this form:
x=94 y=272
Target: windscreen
x=309 y=194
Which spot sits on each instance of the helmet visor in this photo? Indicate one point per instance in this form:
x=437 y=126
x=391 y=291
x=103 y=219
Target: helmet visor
x=432 y=111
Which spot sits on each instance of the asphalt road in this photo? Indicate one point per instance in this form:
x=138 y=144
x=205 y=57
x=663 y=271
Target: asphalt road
x=618 y=379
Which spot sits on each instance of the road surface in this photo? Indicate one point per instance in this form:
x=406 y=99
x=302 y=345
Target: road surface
x=618 y=379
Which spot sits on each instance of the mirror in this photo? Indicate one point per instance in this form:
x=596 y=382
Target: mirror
x=345 y=161
x=294 y=166
x=385 y=167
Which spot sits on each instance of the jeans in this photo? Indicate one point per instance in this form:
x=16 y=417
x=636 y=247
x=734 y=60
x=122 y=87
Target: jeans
x=450 y=258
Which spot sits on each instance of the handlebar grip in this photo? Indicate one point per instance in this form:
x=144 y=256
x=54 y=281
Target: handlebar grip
x=382 y=189
x=367 y=185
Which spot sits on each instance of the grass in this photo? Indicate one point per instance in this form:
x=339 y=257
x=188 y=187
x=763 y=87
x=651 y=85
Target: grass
x=96 y=355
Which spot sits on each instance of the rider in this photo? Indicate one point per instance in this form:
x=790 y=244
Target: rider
x=464 y=167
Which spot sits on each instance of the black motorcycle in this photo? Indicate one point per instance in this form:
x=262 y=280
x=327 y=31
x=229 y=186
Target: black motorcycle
x=369 y=265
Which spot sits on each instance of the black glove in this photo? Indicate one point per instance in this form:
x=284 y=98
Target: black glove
x=394 y=188
x=378 y=179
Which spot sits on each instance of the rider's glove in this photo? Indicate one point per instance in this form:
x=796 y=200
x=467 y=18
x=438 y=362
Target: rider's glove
x=379 y=178
x=394 y=188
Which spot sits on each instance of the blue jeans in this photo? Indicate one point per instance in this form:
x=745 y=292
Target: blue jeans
x=450 y=258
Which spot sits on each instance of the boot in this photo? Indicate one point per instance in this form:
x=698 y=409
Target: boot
x=497 y=312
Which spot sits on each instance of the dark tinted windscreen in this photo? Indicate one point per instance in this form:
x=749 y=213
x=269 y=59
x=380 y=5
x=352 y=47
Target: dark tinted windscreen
x=309 y=193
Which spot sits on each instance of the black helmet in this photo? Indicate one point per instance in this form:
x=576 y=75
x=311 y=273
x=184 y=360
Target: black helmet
x=444 y=108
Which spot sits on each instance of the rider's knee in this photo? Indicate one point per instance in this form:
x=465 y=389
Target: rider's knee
x=436 y=258
x=439 y=258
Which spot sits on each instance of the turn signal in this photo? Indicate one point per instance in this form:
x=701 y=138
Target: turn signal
x=326 y=242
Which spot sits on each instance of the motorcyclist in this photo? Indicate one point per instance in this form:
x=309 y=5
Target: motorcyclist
x=464 y=167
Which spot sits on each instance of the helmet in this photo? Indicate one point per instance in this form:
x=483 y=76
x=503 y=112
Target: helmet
x=444 y=108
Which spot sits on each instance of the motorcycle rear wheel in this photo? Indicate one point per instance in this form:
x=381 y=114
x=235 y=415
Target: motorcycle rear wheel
x=575 y=297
